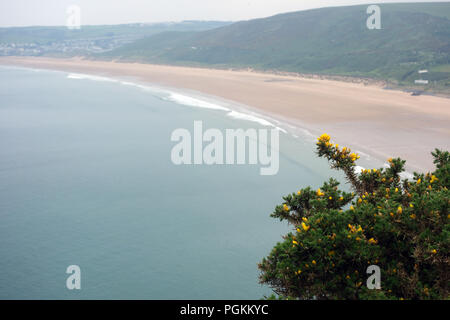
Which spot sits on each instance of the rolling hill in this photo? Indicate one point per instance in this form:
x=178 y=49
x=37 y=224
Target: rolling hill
x=329 y=41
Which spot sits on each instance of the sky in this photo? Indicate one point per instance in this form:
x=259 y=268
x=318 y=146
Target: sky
x=94 y=12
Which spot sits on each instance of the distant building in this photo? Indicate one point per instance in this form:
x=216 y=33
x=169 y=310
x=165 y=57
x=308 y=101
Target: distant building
x=423 y=71
x=420 y=81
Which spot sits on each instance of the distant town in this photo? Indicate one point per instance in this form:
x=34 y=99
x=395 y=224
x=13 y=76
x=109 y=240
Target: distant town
x=65 y=47
x=59 y=40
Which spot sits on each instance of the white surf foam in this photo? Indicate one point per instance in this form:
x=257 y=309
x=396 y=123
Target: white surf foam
x=358 y=169
x=193 y=102
x=365 y=155
x=406 y=175
x=80 y=76
x=403 y=175
x=184 y=99
x=253 y=118
x=249 y=117
x=200 y=103
x=142 y=87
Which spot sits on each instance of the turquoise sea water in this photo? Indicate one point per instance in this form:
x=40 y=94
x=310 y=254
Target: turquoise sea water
x=86 y=179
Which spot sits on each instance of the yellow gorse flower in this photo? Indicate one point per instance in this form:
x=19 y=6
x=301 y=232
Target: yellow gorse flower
x=324 y=138
x=305 y=227
x=285 y=207
x=353 y=156
x=355 y=229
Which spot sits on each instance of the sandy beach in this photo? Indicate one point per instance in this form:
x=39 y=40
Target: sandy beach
x=381 y=123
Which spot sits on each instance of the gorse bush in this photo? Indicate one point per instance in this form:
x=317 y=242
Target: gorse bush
x=402 y=226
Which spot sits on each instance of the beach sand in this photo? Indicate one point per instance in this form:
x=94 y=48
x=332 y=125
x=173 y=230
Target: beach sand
x=381 y=123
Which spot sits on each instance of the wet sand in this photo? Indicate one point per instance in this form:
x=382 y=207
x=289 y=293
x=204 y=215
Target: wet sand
x=381 y=123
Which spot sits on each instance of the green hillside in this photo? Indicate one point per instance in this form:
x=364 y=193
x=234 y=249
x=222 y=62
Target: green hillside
x=332 y=41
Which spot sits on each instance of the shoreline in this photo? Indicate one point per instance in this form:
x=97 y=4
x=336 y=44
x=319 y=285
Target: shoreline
x=381 y=123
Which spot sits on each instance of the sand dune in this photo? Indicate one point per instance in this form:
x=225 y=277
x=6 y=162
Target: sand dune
x=382 y=123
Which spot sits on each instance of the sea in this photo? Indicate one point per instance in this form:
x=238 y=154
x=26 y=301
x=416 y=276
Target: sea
x=86 y=179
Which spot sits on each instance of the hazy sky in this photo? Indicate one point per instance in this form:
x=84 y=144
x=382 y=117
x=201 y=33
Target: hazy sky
x=53 y=12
